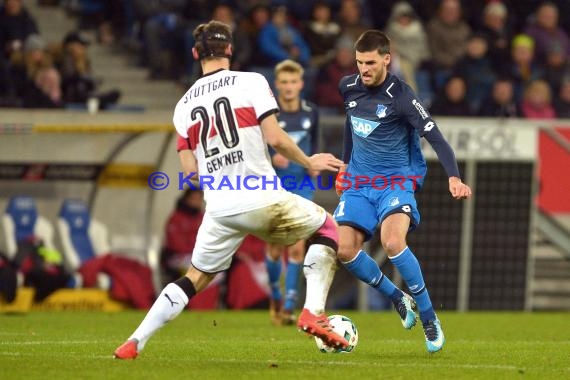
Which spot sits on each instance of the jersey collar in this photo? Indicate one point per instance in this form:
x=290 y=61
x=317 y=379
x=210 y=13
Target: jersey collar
x=212 y=73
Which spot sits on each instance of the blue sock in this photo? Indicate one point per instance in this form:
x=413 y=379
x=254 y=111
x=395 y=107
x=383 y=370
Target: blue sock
x=274 y=273
x=367 y=270
x=291 y=284
x=411 y=272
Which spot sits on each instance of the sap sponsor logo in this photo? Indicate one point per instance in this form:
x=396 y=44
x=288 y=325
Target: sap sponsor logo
x=429 y=126
x=420 y=109
x=363 y=127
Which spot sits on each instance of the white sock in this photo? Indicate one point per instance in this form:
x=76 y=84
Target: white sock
x=171 y=301
x=319 y=268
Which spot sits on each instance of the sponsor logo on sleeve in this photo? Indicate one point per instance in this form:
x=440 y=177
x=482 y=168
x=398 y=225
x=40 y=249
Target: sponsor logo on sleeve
x=429 y=126
x=420 y=109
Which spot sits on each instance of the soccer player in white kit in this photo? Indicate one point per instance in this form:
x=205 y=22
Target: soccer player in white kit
x=224 y=122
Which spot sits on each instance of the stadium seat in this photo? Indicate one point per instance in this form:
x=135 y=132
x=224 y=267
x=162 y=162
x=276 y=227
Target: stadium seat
x=21 y=221
x=82 y=237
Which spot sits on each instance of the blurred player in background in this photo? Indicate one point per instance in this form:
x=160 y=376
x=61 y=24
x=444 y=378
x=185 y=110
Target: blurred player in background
x=224 y=122
x=299 y=118
x=383 y=125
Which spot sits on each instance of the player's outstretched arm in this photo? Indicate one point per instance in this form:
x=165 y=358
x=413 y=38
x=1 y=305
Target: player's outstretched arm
x=279 y=140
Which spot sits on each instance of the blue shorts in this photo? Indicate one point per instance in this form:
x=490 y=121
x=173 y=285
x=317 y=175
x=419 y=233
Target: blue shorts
x=366 y=208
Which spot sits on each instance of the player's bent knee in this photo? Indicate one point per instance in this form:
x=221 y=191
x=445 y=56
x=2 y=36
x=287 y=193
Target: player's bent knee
x=326 y=235
x=347 y=252
x=393 y=246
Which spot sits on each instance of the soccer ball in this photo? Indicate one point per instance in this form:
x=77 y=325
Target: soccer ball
x=344 y=327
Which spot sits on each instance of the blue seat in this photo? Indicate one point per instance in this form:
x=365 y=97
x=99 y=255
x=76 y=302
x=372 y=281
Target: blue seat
x=82 y=238
x=22 y=221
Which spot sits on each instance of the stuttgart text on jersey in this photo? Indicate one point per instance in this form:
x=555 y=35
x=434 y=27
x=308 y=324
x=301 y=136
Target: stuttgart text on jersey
x=206 y=88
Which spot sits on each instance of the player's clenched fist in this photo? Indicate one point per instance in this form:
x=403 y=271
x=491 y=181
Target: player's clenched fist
x=458 y=189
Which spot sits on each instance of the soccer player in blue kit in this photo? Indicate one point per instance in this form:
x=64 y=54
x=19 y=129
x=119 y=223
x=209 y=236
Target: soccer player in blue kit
x=384 y=166
x=299 y=118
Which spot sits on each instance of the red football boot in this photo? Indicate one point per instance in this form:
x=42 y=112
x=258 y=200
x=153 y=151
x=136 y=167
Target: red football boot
x=127 y=350
x=318 y=325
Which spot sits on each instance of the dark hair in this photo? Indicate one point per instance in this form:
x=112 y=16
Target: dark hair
x=212 y=39
x=373 y=40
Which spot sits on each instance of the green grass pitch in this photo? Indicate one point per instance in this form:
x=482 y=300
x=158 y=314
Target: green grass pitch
x=244 y=345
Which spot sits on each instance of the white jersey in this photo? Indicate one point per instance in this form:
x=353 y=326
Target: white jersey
x=218 y=117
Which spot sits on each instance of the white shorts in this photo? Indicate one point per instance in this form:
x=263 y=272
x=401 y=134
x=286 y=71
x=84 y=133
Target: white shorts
x=290 y=219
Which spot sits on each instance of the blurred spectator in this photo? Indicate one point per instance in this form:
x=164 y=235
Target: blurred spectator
x=243 y=48
x=447 y=35
x=78 y=82
x=409 y=39
x=522 y=68
x=180 y=235
x=16 y=24
x=27 y=62
x=562 y=102
x=8 y=96
x=546 y=32
x=321 y=33
x=45 y=91
x=381 y=18
x=279 y=40
x=451 y=101
x=300 y=10
x=350 y=19
x=165 y=23
x=108 y=17
x=501 y=101
x=395 y=66
x=257 y=17
x=557 y=67
x=242 y=44
x=327 y=94
x=496 y=32
x=537 y=101
x=477 y=70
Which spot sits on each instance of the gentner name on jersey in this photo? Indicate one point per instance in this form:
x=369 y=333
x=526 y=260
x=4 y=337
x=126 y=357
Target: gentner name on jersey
x=227 y=159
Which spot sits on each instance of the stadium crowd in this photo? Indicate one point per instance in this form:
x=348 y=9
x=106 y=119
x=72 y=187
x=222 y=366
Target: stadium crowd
x=464 y=58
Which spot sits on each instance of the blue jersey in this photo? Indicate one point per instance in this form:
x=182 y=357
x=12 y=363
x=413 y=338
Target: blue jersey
x=302 y=127
x=383 y=126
